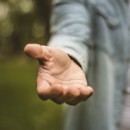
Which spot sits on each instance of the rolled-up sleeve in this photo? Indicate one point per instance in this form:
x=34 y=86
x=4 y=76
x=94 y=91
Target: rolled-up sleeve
x=71 y=29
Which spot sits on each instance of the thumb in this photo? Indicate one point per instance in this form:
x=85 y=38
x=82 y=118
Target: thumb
x=37 y=51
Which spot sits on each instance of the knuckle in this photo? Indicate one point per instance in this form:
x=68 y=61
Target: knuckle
x=84 y=98
x=42 y=97
x=42 y=94
x=39 y=90
x=75 y=92
x=72 y=103
x=57 y=101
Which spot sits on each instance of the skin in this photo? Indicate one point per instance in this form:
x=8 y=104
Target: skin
x=59 y=78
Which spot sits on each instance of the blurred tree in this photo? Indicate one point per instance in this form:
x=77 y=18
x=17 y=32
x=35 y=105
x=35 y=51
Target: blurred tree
x=43 y=9
x=23 y=21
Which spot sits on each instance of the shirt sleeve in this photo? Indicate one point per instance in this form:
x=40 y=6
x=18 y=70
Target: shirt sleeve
x=71 y=29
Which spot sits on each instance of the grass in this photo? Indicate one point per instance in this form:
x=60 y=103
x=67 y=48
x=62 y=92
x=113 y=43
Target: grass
x=20 y=107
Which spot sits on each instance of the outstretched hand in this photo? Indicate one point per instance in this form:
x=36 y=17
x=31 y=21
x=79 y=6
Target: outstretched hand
x=59 y=77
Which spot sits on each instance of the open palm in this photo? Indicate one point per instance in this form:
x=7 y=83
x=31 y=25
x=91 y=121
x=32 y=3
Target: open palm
x=59 y=77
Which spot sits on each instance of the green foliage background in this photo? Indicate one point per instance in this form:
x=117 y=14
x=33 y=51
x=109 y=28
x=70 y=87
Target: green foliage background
x=21 y=22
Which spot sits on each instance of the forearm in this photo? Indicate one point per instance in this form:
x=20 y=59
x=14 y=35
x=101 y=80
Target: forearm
x=71 y=30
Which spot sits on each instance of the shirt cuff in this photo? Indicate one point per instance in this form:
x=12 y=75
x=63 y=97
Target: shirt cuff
x=79 y=51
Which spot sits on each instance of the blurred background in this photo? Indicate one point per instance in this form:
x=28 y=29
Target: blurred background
x=22 y=22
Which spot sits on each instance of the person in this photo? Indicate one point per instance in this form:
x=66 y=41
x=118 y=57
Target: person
x=125 y=125
x=89 y=46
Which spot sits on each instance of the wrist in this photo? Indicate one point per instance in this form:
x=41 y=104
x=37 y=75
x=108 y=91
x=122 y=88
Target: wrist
x=75 y=60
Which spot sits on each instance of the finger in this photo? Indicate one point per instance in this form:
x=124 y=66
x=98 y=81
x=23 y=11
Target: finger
x=56 y=92
x=61 y=97
x=65 y=94
x=86 y=92
x=73 y=102
x=71 y=95
x=43 y=89
x=75 y=96
x=37 y=51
